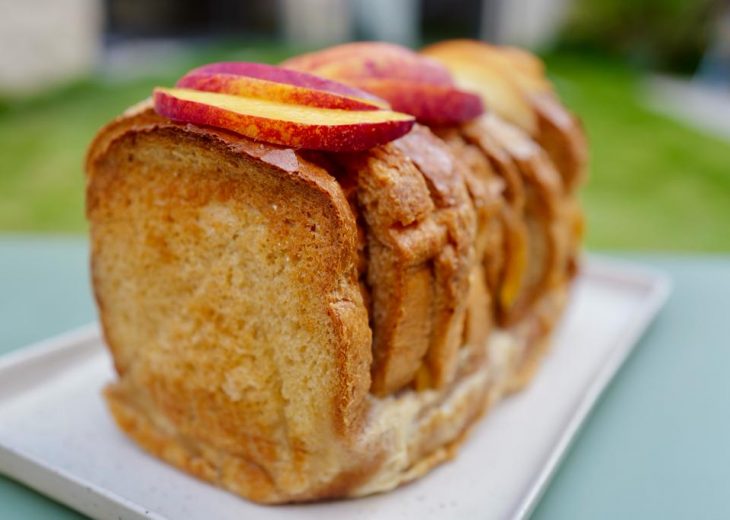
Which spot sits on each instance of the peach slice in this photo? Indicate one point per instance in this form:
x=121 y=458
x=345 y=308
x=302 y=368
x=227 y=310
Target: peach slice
x=431 y=104
x=408 y=81
x=257 y=80
x=296 y=126
x=527 y=68
x=512 y=82
x=523 y=70
x=371 y=60
x=476 y=67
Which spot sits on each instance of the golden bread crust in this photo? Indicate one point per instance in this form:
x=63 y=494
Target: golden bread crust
x=394 y=202
x=420 y=225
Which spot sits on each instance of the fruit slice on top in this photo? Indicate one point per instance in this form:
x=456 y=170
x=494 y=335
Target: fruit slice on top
x=484 y=70
x=433 y=105
x=258 y=80
x=512 y=82
x=371 y=60
x=296 y=126
x=526 y=68
x=410 y=82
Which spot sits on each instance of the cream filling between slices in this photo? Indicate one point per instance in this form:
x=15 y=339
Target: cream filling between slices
x=396 y=420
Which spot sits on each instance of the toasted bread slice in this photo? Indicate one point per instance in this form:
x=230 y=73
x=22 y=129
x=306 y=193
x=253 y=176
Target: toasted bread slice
x=393 y=199
x=421 y=233
x=454 y=262
x=195 y=233
x=561 y=135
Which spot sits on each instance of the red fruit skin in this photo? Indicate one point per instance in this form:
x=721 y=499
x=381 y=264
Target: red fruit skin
x=410 y=82
x=280 y=75
x=371 y=60
x=433 y=105
x=275 y=91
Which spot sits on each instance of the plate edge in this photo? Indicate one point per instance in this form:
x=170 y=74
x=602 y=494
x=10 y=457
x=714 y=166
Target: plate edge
x=659 y=286
x=71 y=338
x=56 y=484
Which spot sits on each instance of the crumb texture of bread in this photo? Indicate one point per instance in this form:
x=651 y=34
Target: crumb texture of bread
x=297 y=326
x=228 y=294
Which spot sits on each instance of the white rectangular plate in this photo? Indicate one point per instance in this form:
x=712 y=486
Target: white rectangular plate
x=57 y=437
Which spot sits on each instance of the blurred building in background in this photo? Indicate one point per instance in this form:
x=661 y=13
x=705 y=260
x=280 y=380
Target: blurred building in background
x=47 y=42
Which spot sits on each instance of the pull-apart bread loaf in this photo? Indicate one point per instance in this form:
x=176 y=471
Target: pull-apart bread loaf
x=295 y=323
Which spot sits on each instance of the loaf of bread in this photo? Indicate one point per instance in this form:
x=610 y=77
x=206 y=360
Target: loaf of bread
x=299 y=325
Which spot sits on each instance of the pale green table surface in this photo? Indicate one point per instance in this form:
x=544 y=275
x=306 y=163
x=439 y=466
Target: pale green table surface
x=657 y=445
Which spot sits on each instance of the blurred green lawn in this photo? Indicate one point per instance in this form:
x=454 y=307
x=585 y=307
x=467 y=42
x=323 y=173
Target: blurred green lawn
x=654 y=184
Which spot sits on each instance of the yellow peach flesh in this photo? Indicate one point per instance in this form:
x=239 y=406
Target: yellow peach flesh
x=274 y=110
x=497 y=92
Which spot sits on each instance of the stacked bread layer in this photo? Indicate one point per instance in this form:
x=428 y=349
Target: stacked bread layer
x=464 y=229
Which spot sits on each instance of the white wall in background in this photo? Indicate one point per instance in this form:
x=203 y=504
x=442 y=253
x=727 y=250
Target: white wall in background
x=314 y=23
x=526 y=23
x=396 y=21
x=46 y=42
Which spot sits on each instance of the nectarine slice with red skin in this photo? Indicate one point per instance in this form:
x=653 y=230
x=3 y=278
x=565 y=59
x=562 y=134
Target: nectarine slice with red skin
x=430 y=104
x=371 y=60
x=513 y=84
x=295 y=126
x=275 y=91
x=496 y=90
x=221 y=77
x=410 y=82
x=506 y=78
